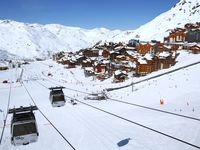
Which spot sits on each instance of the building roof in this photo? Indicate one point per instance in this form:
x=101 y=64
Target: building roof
x=142 y=61
x=148 y=56
x=163 y=54
x=118 y=72
x=89 y=69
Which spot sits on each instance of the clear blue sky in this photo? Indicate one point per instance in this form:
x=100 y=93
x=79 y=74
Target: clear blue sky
x=111 y=14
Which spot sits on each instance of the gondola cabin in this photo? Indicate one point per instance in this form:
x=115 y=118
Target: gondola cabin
x=57 y=97
x=23 y=126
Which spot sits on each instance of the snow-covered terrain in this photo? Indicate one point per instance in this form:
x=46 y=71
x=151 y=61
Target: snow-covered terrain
x=36 y=40
x=87 y=128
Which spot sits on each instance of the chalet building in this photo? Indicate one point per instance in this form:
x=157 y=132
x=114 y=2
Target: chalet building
x=151 y=63
x=106 y=53
x=87 y=63
x=100 y=68
x=189 y=26
x=80 y=59
x=120 y=76
x=166 y=60
x=176 y=36
x=193 y=36
x=118 y=45
x=88 y=71
x=159 y=47
x=133 y=43
x=122 y=51
x=144 y=48
x=195 y=49
x=174 y=47
x=114 y=66
x=90 y=53
x=113 y=55
x=64 y=61
x=127 y=66
x=120 y=58
x=71 y=64
x=132 y=56
x=58 y=56
x=142 y=67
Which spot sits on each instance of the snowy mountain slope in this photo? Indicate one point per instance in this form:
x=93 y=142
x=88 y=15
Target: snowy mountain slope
x=33 y=40
x=186 y=11
x=29 y=40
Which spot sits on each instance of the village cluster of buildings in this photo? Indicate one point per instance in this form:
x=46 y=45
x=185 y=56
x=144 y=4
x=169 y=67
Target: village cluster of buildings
x=119 y=60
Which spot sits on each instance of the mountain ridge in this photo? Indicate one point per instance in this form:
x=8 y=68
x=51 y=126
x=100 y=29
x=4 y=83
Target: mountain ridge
x=37 y=40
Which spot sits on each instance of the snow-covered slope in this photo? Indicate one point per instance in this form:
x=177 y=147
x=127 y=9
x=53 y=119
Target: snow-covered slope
x=87 y=128
x=29 y=40
x=186 y=11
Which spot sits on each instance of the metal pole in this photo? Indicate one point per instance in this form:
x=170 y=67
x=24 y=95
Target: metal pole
x=132 y=86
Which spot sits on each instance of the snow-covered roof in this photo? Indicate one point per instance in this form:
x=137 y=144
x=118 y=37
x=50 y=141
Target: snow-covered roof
x=142 y=61
x=73 y=58
x=132 y=64
x=164 y=54
x=106 y=61
x=120 y=56
x=113 y=52
x=89 y=68
x=133 y=53
x=2 y=64
x=130 y=48
x=148 y=56
x=64 y=58
x=118 y=47
x=118 y=72
x=79 y=56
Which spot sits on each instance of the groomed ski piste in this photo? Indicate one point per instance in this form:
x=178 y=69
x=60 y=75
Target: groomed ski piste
x=131 y=118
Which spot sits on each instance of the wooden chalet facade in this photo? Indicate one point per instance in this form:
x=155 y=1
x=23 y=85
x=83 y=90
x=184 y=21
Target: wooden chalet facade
x=176 y=36
x=100 y=68
x=144 y=48
x=90 y=53
x=159 y=47
x=71 y=64
x=119 y=76
x=162 y=61
x=106 y=53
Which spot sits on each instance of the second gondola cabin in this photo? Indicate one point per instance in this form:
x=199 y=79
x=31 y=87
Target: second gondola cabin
x=57 y=97
x=23 y=126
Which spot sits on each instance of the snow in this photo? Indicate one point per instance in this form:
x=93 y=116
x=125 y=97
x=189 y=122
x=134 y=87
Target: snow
x=118 y=72
x=164 y=54
x=148 y=56
x=142 y=61
x=89 y=129
x=36 y=40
